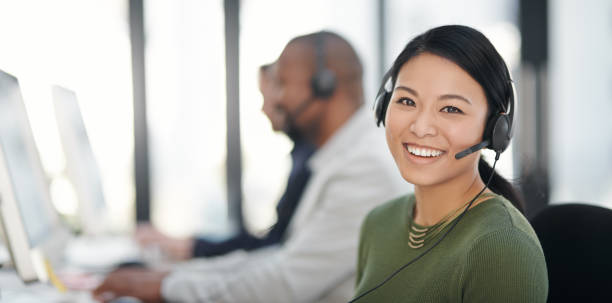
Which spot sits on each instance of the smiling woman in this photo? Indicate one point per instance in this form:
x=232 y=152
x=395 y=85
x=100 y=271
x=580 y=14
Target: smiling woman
x=461 y=237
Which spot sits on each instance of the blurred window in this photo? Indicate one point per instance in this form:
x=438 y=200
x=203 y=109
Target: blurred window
x=185 y=78
x=580 y=103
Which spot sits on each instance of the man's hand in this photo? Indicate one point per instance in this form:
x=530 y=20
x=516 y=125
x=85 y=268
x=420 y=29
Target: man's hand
x=176 y=248
x=143 y=284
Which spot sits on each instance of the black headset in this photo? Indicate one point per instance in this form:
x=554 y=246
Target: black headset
x=323 y=81
x=497 y=132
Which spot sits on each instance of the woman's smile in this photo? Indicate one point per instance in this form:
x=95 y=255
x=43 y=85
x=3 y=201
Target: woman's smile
x=421 y=155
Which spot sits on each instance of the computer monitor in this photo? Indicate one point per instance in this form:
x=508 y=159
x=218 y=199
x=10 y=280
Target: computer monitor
x=81 y=166
x=100 y=249
x=32 y=228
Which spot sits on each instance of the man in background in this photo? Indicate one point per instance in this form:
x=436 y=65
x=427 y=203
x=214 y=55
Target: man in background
x=186 y=248
x=321 y=97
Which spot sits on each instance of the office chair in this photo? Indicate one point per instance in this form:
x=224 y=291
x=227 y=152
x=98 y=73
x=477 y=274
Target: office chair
x=577 y=244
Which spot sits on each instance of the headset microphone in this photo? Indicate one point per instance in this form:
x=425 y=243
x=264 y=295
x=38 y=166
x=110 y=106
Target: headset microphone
x=472 y=149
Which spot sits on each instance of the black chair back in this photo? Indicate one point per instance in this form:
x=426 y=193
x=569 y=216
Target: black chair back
x=577 y=244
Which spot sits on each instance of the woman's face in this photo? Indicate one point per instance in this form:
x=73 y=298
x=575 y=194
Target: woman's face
x=436 y=111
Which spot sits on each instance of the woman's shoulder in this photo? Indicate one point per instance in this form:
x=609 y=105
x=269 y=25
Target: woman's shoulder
x=507 y=262
x=392 y=210
x=510 y=254
x=497 y=221
x=396 y=205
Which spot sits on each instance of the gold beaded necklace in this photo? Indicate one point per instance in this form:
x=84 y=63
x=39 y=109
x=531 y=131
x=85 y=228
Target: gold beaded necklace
x=418 y=235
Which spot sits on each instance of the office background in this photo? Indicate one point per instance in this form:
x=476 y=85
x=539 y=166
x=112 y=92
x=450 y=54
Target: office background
x=169 y=95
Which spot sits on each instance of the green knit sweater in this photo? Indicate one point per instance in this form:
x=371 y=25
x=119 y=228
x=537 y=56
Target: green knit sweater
x=492 y=255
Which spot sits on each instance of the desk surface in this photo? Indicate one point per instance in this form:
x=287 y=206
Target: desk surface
x=13 y=290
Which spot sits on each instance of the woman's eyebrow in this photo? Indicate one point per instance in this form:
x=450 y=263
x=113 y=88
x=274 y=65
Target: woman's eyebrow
x=408 y=89
x=453 y=96
x=443 y=97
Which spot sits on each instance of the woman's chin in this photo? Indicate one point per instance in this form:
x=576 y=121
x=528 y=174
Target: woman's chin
x=421 y=179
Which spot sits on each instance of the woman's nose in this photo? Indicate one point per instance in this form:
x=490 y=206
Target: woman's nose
x=423 y=125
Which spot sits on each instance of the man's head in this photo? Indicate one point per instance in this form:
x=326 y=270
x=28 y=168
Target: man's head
x=316 y=116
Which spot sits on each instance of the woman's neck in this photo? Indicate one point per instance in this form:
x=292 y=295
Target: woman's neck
x=434 y=202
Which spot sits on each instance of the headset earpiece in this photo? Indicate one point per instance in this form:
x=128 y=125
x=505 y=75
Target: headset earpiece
x=382 y=100
x=498 y=132
x=380 y=109
x=499 y=128
x=323 y=81
x=323 y=84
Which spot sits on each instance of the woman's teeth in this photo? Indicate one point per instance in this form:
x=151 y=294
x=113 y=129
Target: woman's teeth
x=423 y=152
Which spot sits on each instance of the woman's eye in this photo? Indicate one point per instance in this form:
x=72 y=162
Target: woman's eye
x=406 y=101
x=451 y=110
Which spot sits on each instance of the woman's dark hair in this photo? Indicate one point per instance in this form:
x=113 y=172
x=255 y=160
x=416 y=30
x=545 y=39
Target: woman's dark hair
x=474 y=53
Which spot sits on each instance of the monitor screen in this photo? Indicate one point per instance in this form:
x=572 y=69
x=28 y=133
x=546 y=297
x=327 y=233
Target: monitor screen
x=81 y=165
x=19 y=155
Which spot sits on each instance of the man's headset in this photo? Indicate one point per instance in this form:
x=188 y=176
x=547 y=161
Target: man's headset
x=497 y=132
x=496 y=137
x=323 y=81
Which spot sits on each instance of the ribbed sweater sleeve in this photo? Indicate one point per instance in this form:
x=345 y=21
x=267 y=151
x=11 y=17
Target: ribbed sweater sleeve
x=499 y=267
